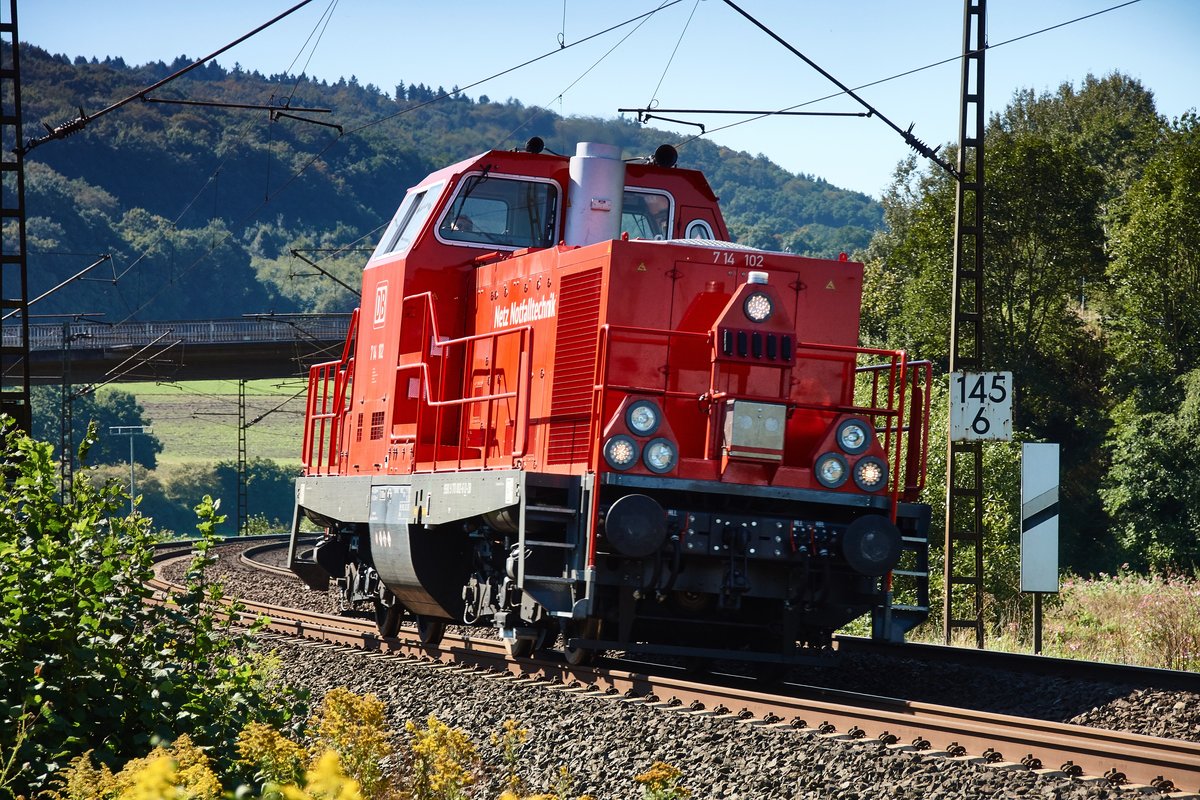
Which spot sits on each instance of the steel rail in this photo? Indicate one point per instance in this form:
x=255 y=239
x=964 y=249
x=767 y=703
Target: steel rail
x=249 y=557
x=1027 y=663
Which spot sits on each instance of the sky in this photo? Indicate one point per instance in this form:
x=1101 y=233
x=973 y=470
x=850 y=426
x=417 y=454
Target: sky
x=692 y=54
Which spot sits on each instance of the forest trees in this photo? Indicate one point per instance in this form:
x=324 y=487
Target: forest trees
x=1154 y=327
x=105 y=409
x=1092 y=297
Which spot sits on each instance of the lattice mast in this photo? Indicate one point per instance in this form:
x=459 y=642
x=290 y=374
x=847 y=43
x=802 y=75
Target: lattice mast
x=964 y=460
x=14 y=292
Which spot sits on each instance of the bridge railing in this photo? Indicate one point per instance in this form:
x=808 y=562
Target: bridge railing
x=267 y=328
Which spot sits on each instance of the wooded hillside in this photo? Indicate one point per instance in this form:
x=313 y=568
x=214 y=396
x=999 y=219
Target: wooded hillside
x=201 y=206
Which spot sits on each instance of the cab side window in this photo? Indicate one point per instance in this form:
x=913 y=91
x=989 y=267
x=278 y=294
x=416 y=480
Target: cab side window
x=646 y=215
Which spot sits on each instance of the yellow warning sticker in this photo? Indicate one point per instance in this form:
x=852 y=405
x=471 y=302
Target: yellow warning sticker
x=830 y=287
x=642 y=267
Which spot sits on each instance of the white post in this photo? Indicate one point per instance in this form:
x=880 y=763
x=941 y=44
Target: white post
x=130 y=431
x=131 y=488
x=1039 y=527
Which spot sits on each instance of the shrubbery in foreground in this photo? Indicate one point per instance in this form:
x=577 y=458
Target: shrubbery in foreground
x=86 y=664
x=107 y=696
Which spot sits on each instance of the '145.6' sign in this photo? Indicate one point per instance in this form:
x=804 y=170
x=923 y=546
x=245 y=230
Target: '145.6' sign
x=981 y=406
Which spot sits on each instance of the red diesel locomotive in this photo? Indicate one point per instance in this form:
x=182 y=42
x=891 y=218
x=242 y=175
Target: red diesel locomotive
x=568 y=405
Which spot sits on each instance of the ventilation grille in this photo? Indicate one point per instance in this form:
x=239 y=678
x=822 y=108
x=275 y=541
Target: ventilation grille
x=376 y=425
x=574 y=367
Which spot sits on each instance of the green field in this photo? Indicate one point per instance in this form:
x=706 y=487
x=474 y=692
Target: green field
x=197 y=421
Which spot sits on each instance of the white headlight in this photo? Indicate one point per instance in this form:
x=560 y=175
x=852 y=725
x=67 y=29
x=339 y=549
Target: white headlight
x=643 y=417
x=660 y=456
x=832 y=470
x=757 y=307
x=853 y=436
x=870 y=474
x=621 y=451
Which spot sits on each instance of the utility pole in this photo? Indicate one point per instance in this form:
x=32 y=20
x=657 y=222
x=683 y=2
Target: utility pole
x=130 y=431
x=242 y=495
x=66 y=425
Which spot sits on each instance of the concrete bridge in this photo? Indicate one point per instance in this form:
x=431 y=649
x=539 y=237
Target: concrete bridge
x=259 y=346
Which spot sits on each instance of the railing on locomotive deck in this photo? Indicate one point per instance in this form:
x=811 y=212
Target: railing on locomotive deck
x=325 y=413
x=440 y=403
x=902 y=442
x=914 y=379
x=905 y=396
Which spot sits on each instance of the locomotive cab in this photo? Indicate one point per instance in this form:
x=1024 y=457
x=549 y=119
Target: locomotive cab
x=569 y=406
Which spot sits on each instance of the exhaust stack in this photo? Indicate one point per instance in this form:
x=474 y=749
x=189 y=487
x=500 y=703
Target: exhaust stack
x=595 y=195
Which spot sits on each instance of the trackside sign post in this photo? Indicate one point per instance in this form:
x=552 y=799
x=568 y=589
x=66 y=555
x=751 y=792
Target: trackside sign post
x=1039 y=517
x=981 y=406
x=1039 y=527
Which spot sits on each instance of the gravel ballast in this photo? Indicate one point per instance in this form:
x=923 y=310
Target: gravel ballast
x=605 y=741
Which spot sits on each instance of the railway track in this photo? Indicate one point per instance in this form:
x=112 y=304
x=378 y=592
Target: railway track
x=1007 y=742
x=1146 y=677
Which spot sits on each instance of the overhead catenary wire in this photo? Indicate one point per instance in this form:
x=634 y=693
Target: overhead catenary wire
x=303 y=168
x=913 y=142
x=323 y=25
x=560 y=95
x=74 y=126
x=77 y=276
x=610 y=50
x=906 y=73
x=654 y=95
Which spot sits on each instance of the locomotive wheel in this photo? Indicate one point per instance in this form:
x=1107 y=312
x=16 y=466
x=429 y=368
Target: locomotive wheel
x=519 y=648
x=430 y=630
x=387 y=618
x=580 y=656
x=524 y=648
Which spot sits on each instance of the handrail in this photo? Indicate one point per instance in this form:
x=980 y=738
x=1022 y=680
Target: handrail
x=427 y=396
x=323 y=428
x=265 y=329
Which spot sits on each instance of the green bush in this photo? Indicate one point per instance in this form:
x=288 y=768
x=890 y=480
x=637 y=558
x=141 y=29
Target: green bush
x=85 y=662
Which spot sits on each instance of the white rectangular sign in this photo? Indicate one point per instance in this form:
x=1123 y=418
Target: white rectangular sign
x=1039 y=517
x=981 y=406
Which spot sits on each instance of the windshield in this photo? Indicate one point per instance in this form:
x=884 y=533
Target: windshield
x=409 y=218
x=489 y=210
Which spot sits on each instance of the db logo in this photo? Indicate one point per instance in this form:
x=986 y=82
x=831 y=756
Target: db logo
x=380 y=303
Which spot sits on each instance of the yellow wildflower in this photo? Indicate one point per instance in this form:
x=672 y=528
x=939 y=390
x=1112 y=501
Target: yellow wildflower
x=325 y=781
x=355 y=727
